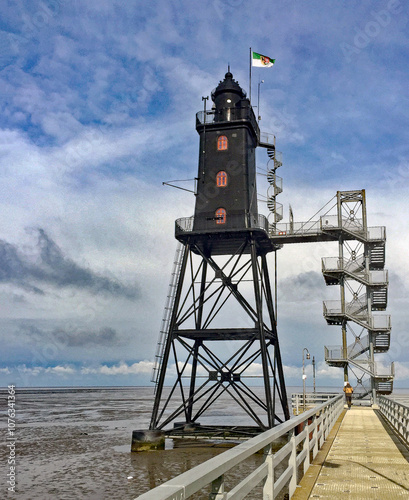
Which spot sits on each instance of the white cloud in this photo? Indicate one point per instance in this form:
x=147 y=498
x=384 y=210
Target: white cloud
x=401 y=371
x=35 y=371
x=141 y=367
x=60 y=370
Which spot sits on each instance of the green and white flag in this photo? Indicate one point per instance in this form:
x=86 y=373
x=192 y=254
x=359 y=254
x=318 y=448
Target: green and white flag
x=262 y=61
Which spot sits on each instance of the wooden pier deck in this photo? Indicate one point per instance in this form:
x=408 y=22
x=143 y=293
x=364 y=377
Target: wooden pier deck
x=361 y=459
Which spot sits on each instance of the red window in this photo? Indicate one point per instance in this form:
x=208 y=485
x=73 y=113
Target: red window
x=222 y=143
x=221 y=179
x=221 y=216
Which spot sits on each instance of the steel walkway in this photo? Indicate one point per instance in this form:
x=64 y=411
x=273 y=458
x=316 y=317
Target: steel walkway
x=363 y=460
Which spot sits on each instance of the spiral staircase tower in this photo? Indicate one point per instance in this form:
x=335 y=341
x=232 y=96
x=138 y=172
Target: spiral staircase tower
x=359 y=272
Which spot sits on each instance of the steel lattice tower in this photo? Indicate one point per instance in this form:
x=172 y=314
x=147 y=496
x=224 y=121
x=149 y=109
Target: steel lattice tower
x=220 y=329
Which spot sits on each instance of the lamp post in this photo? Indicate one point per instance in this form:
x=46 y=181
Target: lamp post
x=304 y=376
x=313 y=371
x=258 y=100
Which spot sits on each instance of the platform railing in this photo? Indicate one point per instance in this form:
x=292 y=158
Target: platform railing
x=378 y=322
x=297 y=228
x=356 y=268
x=222 y=115
x=397 y=415
x=234 y=222
x=328 y=224
x=306 y=435
x=337 y=353
x=377 y=233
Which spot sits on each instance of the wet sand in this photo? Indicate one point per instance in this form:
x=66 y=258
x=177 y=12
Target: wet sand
x=75 y=444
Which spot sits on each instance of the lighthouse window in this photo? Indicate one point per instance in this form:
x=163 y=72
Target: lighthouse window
x=220 y=216
x=221 y=179
x=222 y=143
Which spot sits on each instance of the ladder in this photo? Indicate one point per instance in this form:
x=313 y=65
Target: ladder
x=170 y=300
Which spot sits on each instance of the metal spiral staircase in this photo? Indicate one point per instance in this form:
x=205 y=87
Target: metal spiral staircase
x=276 y=185
x=359 y=271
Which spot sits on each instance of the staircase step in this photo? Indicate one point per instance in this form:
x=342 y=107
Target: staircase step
x=377 y=256
x=382 y=342
x=379 y=298
x=384 y=387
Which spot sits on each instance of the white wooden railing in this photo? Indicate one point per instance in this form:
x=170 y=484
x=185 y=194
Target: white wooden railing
x=397 y=415
x=299 y=403
x=306 y=435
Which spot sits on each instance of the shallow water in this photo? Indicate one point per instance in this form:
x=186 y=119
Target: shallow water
x=75 y=444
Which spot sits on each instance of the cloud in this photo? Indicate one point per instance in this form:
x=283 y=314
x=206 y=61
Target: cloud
x=401 y=370
x=74 y=337
x=52 y=267
x=36 y=371
x=305 y=286
x=15 y=269
x=122 y=368
x=60 y=370
x=103 y=337
x=338 y=158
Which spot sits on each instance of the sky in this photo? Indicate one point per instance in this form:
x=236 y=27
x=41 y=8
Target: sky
x=98 y=104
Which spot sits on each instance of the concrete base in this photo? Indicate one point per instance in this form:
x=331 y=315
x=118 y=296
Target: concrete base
x=146 y=440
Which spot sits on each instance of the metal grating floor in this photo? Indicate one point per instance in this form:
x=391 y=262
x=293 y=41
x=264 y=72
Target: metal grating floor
x=363 y=462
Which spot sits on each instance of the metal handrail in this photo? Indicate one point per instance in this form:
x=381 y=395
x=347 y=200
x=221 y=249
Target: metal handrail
x=355 y=268
x=316 y=424
x=397 y=415
x=379 y=322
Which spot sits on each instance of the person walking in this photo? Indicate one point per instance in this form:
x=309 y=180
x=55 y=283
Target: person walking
x=348 y=394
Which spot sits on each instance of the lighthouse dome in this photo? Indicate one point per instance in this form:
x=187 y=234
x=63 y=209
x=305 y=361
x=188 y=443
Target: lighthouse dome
x=228 y=93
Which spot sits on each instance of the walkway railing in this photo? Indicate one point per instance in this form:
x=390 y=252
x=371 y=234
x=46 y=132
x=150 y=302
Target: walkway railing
x=312 y=399
x=397 y=414
x=302 y=445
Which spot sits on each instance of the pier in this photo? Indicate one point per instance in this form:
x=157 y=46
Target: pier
x=331 y=452
x=361 y=459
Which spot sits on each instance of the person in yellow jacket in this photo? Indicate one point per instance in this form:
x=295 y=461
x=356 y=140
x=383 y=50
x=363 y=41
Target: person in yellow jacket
x=348 y=394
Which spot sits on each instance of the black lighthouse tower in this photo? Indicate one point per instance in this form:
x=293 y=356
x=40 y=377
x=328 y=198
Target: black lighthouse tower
x=226 y=193
x=219 y=333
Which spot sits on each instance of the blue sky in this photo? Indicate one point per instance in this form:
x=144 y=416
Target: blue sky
x=98 y=103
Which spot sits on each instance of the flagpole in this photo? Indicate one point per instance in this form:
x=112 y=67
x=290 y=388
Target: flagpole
x=250 y=77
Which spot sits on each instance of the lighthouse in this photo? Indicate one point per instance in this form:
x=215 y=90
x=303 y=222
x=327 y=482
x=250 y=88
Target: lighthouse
x=205 y=352
x=226 y=188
